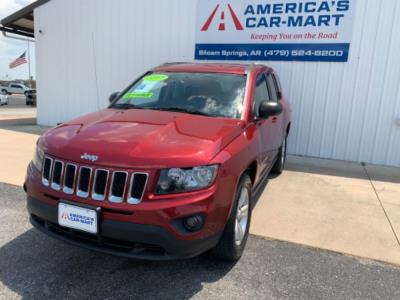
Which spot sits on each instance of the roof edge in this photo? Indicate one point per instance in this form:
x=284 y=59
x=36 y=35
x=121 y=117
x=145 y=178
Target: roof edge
x=22 y=12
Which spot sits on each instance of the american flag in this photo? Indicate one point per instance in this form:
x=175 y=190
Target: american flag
x=19 y=61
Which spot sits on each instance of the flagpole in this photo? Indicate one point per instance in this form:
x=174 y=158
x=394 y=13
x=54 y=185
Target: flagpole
x=29 y=65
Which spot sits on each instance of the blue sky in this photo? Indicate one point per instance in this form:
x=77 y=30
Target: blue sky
x=10 y=49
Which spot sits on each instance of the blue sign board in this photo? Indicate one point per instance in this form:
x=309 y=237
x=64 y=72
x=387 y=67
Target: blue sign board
x=274 y=30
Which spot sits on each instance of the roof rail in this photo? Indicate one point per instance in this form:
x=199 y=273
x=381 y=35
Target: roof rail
x=175 y=63
x=250 y=68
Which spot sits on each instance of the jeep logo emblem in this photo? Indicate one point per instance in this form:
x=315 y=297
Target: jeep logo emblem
x=89 y=157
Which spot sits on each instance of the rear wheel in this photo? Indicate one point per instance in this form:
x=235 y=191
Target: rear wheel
x=234 y=237
x=281 y=159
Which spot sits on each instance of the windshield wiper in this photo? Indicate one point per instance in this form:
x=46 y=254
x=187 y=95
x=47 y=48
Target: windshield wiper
x=184 y=110
x=126 y=106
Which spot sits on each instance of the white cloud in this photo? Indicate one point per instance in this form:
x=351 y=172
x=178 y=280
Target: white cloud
x=10 y=49
x=7 y=7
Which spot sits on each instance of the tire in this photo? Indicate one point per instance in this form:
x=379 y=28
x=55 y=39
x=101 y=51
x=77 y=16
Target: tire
x=4 y=92
x=281 y=158
x=232 y=243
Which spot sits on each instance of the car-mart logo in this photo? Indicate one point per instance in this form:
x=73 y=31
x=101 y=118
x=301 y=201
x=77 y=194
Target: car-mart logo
x=222 y=20
x=65 y=216
x=276 y=14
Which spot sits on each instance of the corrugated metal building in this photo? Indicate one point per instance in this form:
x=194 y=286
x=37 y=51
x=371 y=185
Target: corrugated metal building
x=348 y=111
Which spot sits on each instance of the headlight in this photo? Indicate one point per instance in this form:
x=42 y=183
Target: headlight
x=38 y=158
x=183 y=180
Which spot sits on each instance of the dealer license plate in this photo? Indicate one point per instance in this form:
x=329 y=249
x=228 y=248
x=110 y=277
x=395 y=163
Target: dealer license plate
x=76 y=217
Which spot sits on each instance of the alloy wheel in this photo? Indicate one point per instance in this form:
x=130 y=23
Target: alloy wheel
x=242 y=216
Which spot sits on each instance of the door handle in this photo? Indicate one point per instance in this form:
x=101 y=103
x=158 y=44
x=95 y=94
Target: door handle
x=274 y=119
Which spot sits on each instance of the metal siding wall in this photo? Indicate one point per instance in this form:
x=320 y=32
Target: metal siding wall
x=91 y=48
x=340 y=110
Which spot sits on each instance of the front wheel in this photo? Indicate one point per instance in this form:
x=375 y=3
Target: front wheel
x=234 y=237
x=281 y=158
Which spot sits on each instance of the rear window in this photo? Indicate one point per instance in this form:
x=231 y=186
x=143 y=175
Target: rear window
x=211 y=94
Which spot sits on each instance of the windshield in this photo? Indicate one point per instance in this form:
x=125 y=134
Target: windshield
x=209 y=94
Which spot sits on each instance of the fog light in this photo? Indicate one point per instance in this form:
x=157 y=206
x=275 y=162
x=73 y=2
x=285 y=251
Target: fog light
x=193 y=223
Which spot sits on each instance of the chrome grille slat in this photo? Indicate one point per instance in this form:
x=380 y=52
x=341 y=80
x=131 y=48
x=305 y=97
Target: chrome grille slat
x=56 y=175
x=137 y=187
x=84 y=182
x=46 y=173
x=69 y=178
x=99 y=184
x=117 y=186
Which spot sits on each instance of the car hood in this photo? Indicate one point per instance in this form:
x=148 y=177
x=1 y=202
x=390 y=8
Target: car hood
x=142 y=138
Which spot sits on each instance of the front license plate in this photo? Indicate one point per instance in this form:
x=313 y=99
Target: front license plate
x=76 y=217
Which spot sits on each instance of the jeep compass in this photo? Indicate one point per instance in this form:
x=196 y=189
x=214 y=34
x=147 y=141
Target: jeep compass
x=168 y=170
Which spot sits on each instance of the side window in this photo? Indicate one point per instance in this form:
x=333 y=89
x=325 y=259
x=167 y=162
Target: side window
x=14 y=86
x=271 y=87
x=278 y=85
x=261 y=93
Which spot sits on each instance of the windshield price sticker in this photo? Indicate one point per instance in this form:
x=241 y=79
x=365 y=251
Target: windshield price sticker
x=147 y=85
x=155 y=77
x=135 y=95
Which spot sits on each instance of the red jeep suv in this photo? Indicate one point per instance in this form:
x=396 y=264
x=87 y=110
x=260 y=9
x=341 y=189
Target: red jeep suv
x=169 y=168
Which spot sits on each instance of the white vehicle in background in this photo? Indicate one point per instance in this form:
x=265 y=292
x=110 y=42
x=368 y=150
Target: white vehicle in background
x=15 y=88
x=3 y=99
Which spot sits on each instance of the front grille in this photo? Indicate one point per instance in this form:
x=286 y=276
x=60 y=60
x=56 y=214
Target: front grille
x=84 y=181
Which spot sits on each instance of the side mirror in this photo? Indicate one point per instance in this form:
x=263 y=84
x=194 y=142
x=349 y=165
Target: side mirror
x=113 y=96
x=268 y=109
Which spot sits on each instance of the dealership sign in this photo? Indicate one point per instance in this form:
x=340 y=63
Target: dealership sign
x=274 y=30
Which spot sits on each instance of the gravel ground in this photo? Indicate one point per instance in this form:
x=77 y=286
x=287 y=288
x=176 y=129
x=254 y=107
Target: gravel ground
x=34 y=266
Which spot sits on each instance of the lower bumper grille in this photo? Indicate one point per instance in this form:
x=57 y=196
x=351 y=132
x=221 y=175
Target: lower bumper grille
x=100 y=241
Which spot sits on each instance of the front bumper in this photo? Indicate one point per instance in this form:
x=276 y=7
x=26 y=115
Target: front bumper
x=120 y=238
